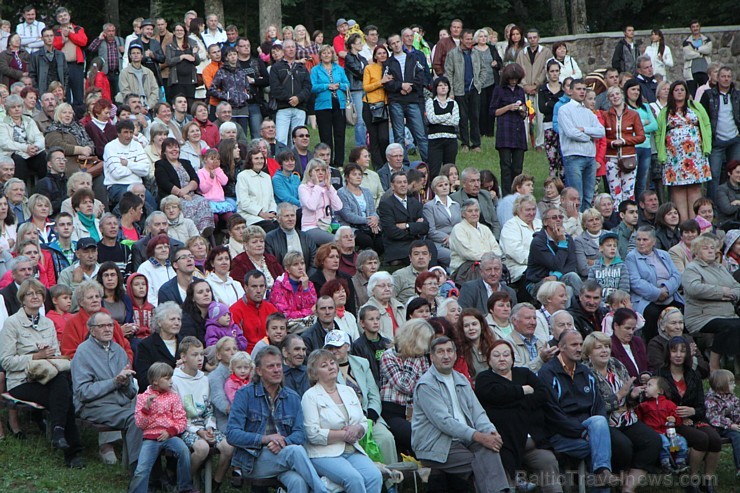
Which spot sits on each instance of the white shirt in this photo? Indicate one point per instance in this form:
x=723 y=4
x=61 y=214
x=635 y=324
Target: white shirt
x=133 y=171
x=449 y=382
x=217 y=37
x=401 y=60
x=30 y=35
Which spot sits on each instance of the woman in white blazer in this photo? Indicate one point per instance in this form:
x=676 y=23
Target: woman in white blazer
x=334 y=423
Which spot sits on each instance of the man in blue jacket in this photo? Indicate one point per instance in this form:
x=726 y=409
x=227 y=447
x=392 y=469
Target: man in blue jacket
x=271 y=446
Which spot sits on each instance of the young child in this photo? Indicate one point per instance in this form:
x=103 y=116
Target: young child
x=241 y=373
x=657 y=411
x=161 y=417
x=201 y=433
x=220 y=324
x=609 y=270
x=618 y=299
x=447 y=287
x=371 y=344
x=137 y=288
x=61 y=298
x=276 y=327
x=212 y=180
x=723 y=410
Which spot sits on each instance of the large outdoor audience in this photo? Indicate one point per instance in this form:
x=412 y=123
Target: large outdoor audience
x=178 y=265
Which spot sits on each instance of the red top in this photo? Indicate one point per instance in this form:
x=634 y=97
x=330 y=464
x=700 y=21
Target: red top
x=389 y=309
x=77 y=36
x=339 y=46
x=655 y=413
x=252 y=319
x=76 y=332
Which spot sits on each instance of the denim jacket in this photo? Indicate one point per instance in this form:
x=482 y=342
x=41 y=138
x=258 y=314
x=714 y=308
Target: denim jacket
x=248 y=422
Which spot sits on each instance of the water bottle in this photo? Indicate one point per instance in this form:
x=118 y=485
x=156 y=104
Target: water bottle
x=670 y=433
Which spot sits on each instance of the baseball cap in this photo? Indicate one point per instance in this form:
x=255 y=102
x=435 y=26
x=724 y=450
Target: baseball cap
x=341 y=21
x=85 y=243
x=336 y=338
x=608 y=235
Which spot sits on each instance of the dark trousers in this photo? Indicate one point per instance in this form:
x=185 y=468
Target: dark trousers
x=76 y=89
x=32 y=166
x=699 y=79
x=378 y=136
x=56 y=396
x=367 y=240
x=726 y=335
x=113 y=81
x=441 y=151
x=485 y=120
x=332 y=126
x=267 y=225
x=652 y=313
x=469 y=114
x=395 y=417
x=704 y=439
x=636 y=446
x=512 y=162
x=187 y=90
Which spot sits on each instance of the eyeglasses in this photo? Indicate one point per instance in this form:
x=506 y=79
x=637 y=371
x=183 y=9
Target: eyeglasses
x=431 y=284
x=302 y=136
x=104 y=326
x=191 y=256
x=559 y=216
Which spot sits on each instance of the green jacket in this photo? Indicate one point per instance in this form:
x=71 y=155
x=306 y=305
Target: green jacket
x=705 y=128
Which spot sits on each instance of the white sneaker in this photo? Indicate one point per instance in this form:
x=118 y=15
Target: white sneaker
x=331 y=486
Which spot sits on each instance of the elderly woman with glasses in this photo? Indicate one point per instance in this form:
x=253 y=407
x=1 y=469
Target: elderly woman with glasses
x=380 y=295
x=29 y=341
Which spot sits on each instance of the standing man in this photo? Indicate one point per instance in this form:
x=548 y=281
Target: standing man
x=209 y=73
x=213 y=35
x=30 y=30
x=232 y=36
x=407 y=38
x=48 y=65
x=109 y=47
x=464 y=68
x=301 y=151
x=533 y=59
x=579 y=129
x=371 y=41
x=611 y=79
x=339 y=39
x=153 y=54
x=648 y=85
x=258 y=79
x=446 y=45
x=625 y=54
x=139 y=82
x=450 y=431
x=697 y=51
x=405 y=95
x=722 y=103
x=164 y=37
x=290 y=86
x=71 y=40
x=271 y=445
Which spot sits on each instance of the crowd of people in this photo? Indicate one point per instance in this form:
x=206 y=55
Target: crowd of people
x=194 y=288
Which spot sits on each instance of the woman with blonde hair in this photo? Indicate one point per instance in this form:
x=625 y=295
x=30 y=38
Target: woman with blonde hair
x=320 y=200
x=330 y=85
x=400 y=368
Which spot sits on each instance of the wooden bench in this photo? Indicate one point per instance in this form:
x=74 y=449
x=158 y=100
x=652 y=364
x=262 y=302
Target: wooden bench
x=85 y=424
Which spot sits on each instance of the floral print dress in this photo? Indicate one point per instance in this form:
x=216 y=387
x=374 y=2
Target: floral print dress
x=686 y=163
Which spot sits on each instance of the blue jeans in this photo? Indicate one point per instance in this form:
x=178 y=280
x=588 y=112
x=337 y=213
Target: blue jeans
x=580 y=173
x=644 y=163
x=255 y=121
x=598 y=446
x=360 y=130
x=683 y=448
x=115 y=192
x=723 y=151
x=286 y=120
x=415 y=123
x=291 y=466
x=149 y=454
x=355 y=472
x=734 y=437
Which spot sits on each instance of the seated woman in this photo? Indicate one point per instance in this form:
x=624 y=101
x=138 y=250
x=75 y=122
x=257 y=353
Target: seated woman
x=400 y=368
x=199 y=247
x=158 y=268
x=515 y=401
x=285 y=182
x=198 y=298
x=370 y=179
x=670 y=325
x=553 y=296
x=327 y=262
x=499 y=315
x=218 y=265
x=728 y=197
x=627 y=348
x=254 y=257
x=470 y=239
x=162 y=344
x=254 y=195
x=193 y=145
x=320 y=201
x=76 y=181
x=334 y=423
x=29 y=338
x=687 y=392
x=666 y=226
x=115 y=300
x=474 y=340
x=604 y=203
x=21 y=139
x=40 y=208
x=41 y=258
x=587 y=243
x=358 y=210
x=85 y=222
x=635 y=446
x=426 y=286
x=392 y=312
x=367 y=264
x=711 y=295
x=176 y=176
x=654 y=280
x=180 y=227
x=78 y=147
x=292 y=293
x=681 y=253
x=344 y=320
x=442 y=213
x=516 y=237
x=450 y=171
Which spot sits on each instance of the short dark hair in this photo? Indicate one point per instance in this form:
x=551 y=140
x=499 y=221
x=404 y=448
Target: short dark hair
x=369 y=28
x=419 y=244
x=129 y=200
x=647 y=193
x=299 y=127
x=350 y=167
x=367 y=309
x=122 y=125
x=414 y=305
x=397 y=174
x=513 y=71
x=438 y=341
x=414 y=175
x=689 y=225
x=624 y=204
x=252 y=274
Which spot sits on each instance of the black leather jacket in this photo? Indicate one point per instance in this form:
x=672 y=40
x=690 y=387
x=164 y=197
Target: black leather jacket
x=355 y=65
x=710 y=101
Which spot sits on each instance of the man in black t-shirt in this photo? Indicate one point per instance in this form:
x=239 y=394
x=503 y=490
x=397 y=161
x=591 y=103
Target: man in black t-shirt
x=110 y=248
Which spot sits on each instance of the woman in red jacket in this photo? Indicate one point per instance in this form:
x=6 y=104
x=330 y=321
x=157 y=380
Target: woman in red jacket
x=623 y=128
x=208 y=130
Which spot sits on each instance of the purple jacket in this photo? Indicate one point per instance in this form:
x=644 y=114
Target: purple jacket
x=214 y=332
x=638 y=351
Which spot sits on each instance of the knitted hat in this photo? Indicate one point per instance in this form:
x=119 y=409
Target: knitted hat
x=216 y=310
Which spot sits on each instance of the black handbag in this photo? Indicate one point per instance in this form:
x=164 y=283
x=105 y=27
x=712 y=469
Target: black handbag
x=379 y=112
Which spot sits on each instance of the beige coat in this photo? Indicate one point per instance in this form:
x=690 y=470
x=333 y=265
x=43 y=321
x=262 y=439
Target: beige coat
x=534 y=73
x=18 y=343
x=703 y=286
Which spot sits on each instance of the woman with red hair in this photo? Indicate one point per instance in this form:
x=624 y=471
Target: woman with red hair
x=344 y=320
x=427 y=287
x=476 y=340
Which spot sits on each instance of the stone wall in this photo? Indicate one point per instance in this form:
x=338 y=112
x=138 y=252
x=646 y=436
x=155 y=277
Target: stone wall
x=594 y=50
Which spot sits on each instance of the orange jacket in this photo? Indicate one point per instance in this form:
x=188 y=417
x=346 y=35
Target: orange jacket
x=208 y=74
x=630 y=131
x=76 y=332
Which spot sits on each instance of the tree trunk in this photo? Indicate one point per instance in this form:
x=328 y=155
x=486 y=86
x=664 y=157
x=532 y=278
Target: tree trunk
x=155 y=8
x=578 y=16
x=215 y=7
x=520 y=9
x=559 y=17
x=271 y=12
x=112 y=13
